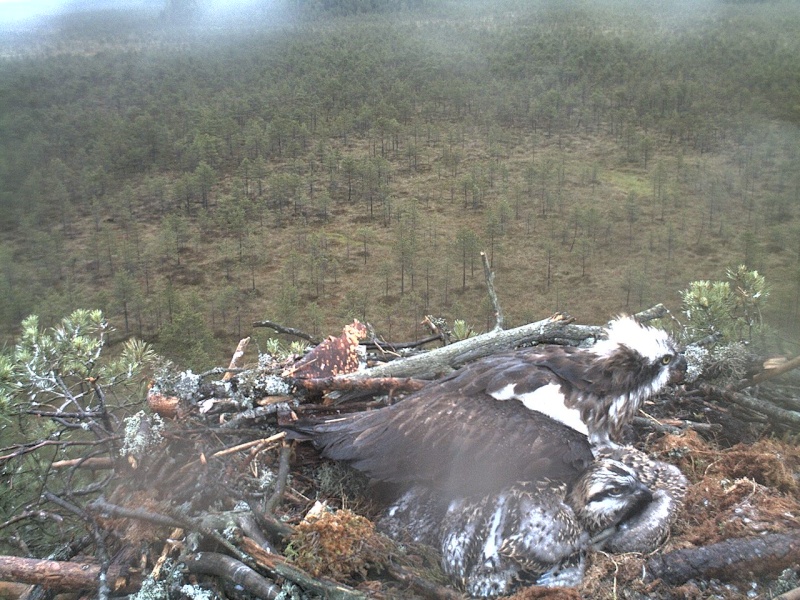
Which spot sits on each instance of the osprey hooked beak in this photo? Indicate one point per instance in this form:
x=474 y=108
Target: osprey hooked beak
x=678 y=369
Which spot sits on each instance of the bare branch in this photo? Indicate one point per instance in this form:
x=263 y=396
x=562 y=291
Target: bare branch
x=221 y=565
x=489 y=275
x=280 y=483
x=66 y=575
x=237 y=356
x=775 y=413
x=770 y=553
x=287 y=330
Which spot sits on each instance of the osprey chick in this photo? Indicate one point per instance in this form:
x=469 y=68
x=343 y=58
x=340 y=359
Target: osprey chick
x=539 y=533
x=502 y=418
x=535 y=533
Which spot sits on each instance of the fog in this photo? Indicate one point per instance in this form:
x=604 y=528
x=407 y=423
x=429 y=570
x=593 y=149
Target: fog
x=31 y=14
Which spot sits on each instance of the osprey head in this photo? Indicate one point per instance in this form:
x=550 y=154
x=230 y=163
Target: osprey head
x=637 y=362
x=608 y=493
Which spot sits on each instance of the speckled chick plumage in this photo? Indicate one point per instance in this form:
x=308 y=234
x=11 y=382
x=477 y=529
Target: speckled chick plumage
x=531 y=532
x=540 y=532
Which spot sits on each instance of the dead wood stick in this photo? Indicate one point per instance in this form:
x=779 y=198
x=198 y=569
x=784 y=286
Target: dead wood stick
x=250 y=444
x=237 y=356
x=278 y=566
x=62 y=575
x=432 y=364
x=222 y=565
x=764 y=554
x=425 y=588
x=113 y=510
x=377 y=385
x=97 y=462
x=287 y=330
x=674 y=425
x=768 y=374
x=775 y=413
x=280 y=481
x=383 y=346
x=489 y=276
x=170 y=543
x=790 y=595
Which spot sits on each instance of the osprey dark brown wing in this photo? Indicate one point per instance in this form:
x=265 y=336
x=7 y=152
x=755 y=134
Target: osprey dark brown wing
x=459 y=443
x=525 y=415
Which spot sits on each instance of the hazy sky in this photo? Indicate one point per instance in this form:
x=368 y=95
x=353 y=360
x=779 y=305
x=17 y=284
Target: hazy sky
x=19 y=11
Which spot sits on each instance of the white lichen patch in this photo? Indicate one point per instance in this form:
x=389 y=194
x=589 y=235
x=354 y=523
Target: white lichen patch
x=142 y=431
x=696 y=362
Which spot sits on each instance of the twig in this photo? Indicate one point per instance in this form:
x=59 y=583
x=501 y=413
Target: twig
x=489 y=276
x=373 y=345
x=768 y=374
x=775 y=413
x=426 y=588
x=94 y=463
x=241 y=575
x=674 y=425
x=287 y=331
x=237 y=356
x=377 y=385
x=250 y=444
x=113 y=510
x=277 y=565
x=280 y=484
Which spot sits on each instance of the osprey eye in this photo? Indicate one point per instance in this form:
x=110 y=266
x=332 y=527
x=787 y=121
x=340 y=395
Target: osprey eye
x=666 y=359
x=615 y=491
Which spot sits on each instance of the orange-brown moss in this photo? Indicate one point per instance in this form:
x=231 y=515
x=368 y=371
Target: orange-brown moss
x=340 y=545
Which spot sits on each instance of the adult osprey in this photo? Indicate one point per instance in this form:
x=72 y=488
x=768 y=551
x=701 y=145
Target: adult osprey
x=526 y=415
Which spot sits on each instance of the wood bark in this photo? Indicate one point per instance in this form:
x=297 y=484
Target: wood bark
x=238 y=573
x=279 y=566
x=777 y=414
x=61 y=575
x=729 y=559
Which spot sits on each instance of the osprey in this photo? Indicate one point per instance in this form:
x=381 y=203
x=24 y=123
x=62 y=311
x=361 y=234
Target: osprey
x=536 y=533
x=527 y=415
x=540 y=532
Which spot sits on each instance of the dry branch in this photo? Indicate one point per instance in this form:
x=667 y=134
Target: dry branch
x=287 y=330
x=768 y=374
x=97 y=463
x=764 y=554
x=777 y=414
x=278 y=566
x=222 y=565
x=377 y=385
x=237 y=356
x=489 y=276
x=62 y=575
x=442 y=360
x=425 y=588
